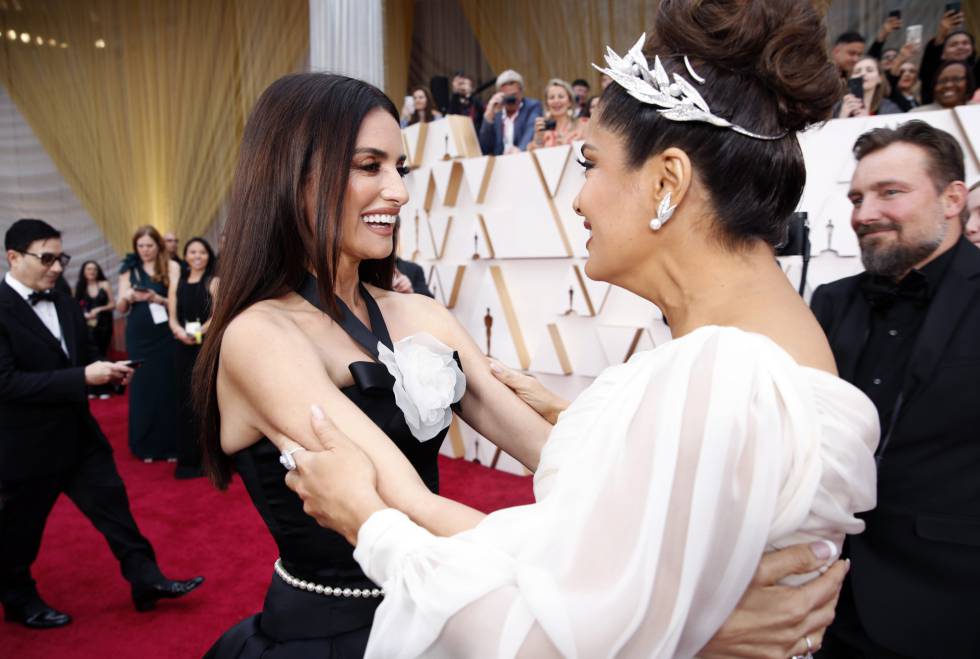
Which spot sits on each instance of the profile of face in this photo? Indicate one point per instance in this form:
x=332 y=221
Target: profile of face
x=594 y=105
x=867 y=68
x=28 y=269
x=616 y=204
x=375 y=190
x=171 y=243
x=462 y=86
x=888 y=56
x=957 y=47
x=558 y=100
x=972 y=228
x=846 y=55
x=147 y=248
x=512 y=89
x=950 y=89
x=420 y=100
x=196 y=256
x=90 y=272
x=899 y=217
x=908 y=73
x=581 y=92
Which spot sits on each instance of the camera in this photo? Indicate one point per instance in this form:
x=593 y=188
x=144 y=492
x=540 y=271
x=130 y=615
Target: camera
x=550 y=124
x=510 y=100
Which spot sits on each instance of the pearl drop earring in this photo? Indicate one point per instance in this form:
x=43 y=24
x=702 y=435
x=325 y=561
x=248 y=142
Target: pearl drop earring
x=664 y=212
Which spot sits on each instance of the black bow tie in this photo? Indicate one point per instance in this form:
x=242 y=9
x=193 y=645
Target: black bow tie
x=38 y=296
x=882 y=292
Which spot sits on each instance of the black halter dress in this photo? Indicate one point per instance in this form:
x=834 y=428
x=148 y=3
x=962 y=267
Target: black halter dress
x=296 y=624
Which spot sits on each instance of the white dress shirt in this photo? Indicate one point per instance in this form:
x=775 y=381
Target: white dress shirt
x=509 y=127
x=44 y=309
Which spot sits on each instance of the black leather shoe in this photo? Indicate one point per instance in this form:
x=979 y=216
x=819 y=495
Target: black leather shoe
x=36 y=615
x=145 y=596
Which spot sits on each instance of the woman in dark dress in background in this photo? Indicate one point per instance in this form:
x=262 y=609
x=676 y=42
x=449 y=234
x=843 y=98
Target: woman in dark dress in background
x=144 y=278
x=190 y=302
x=94 y=294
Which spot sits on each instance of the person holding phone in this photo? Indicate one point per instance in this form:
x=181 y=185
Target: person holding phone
x=419 y=108
x=558 y=125
x=50 y=444
x=190 y=300
x=145 y=276
x=952 y=43
x=867 y=92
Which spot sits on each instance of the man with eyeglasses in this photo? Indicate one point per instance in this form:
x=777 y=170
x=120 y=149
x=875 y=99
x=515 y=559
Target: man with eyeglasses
x=49 y=441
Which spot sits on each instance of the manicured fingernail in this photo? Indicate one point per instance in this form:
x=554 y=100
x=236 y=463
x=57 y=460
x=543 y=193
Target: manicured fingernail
x=847 y=562
x=317 y=412
x=823 y=549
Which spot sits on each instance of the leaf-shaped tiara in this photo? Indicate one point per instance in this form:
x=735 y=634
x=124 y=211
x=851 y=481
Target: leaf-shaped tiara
x=678 y=100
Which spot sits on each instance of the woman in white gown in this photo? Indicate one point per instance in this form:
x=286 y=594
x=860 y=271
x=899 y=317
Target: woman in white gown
x=662 y=485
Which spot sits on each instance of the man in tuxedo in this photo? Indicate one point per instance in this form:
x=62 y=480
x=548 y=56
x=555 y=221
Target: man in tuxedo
x=49 y=441
x=508 y=124
x=907 y=333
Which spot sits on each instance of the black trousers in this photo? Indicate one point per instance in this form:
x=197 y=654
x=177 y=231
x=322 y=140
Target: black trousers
x=95 y=487
x=846 y=637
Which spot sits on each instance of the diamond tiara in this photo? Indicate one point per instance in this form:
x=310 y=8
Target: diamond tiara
x=678 y=100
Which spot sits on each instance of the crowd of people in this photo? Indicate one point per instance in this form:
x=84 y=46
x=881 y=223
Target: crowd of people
x=693 y=500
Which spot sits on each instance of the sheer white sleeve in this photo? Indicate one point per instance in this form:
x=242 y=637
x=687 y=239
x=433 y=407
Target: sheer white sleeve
x=677 y=470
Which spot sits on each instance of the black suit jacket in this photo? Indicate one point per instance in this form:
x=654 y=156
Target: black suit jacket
x=915 y=571
x=44 y=413
x=415 y=274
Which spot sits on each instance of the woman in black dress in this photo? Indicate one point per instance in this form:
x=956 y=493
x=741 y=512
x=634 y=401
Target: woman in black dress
x=190 y=300
x=144 y=278
x=94 y=294
x=306 y=315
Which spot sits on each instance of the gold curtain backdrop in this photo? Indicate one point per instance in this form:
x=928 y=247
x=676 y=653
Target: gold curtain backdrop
x=141 y=103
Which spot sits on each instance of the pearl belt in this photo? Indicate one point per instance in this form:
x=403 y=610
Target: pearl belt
x=324 y=590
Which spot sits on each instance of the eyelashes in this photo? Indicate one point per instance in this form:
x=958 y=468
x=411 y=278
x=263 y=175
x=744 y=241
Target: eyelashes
x=403 y=170
x=586 y=164
x=375 y=167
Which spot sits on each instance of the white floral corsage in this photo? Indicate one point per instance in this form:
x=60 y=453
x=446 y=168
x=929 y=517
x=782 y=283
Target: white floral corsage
x=427 y=382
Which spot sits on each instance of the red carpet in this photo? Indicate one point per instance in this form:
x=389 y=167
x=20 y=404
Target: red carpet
x=195 y=529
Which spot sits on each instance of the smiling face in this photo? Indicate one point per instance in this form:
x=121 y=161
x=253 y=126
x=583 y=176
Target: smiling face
x=957 y=47
x=559 y=102
x=899 y=217
x=972 y=229
x=420 y=100
x=950 y=89
x=375 y=190
x=147 y=248
x=867 y=68
x=908 y=74
x=616 y=204
x=197 y=256
x=28 y=269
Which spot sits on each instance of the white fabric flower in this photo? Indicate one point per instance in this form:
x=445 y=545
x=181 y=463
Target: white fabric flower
x=427 y=382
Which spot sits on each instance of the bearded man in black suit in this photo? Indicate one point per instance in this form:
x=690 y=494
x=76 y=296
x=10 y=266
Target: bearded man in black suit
x=907 y=333
x=49 y=441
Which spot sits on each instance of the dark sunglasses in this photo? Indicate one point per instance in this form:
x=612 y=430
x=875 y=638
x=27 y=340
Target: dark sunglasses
x=47 y=259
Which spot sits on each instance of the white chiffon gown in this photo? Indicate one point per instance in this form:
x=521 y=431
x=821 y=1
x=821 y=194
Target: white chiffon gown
x=657 y=493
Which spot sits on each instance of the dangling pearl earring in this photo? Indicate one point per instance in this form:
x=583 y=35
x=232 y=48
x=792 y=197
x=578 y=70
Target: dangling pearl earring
x=664 y=213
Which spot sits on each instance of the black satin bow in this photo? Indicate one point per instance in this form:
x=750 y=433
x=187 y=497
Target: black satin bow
x=40 y=296
x=882 y=292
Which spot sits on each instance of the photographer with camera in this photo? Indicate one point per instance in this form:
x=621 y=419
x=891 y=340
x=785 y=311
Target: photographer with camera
x=557 y=126
x=508 y=123
x=463 y=101
x=952 y=43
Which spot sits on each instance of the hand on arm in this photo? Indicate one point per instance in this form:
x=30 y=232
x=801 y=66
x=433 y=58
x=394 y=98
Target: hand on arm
x=543 y=401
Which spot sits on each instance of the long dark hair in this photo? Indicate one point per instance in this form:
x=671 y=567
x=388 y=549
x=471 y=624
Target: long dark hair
x=428 y=113
x=302 y=131
x=81 y=288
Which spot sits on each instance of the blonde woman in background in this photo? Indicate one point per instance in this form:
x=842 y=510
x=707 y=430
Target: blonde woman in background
x=557 y=126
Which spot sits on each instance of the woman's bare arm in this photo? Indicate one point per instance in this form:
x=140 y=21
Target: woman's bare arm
x=270 y=376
